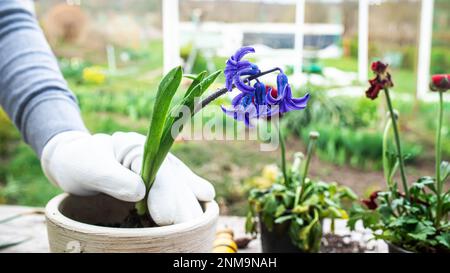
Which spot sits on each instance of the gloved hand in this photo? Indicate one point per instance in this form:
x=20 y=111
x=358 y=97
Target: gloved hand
x=85 y=164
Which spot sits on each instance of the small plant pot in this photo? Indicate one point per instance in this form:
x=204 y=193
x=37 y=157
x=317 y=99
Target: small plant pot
x=396 y=249
x=277 y=240
x=72 y=226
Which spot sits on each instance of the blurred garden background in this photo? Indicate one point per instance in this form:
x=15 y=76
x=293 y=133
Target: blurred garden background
x=111 y=54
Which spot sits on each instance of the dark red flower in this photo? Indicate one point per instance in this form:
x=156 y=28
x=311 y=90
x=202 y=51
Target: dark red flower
x=381 y=81
x=374 y=195
x=379 y=67
x=370 y=203
x=374 y=89
x=440 y=83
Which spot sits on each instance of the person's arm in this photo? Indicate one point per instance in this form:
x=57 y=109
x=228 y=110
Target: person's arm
x=32 y=90
x=36 y=97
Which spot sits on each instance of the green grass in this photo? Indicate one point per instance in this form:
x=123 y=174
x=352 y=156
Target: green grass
x=344 y=64
x=24 y=182
x=404 y=81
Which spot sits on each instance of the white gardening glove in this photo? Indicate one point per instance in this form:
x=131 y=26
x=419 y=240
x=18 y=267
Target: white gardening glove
x=84 y=164
x=173 y=196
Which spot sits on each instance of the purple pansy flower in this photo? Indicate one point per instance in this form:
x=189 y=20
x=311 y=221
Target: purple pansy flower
x=248 y=106
x=236 y=68
x=284 y=99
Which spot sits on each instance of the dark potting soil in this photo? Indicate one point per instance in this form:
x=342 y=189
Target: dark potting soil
x=332 y=243
x=133 y=220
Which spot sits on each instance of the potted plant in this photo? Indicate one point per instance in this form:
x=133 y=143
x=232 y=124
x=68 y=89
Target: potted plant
x=98 y=223
x=417 y=218
x=292 y=209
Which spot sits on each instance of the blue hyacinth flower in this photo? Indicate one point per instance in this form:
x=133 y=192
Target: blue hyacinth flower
x=247 y=106
x=236 y=68
x=284 y=99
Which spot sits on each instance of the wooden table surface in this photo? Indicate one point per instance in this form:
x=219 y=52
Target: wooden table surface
x=31 y=229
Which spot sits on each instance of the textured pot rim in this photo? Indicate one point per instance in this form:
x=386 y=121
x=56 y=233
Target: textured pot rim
x=54 y=215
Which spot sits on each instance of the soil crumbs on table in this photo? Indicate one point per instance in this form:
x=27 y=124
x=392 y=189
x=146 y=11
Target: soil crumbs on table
x=332 y=243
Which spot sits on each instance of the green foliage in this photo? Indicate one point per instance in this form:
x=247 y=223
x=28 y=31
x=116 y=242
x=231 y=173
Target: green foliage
x=341 y=111
x=160 y=135
x=200 y=63
x=359 y=148
x=195 y=90
x=416 y=219
x=166 y=90
x=298 y=204
x=275 y=206
x=445 y=170
x=357 y=142
x=408 y=223
x=440 y=60
x=72 y=69
x=7 y=133
x=24 y=182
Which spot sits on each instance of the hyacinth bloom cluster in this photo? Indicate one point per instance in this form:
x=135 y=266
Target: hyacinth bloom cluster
x=381 y=81
x=257 y=100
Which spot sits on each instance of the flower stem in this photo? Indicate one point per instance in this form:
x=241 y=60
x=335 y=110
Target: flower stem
x=397 y=142
x=222 y=91
x=301 y=188
x=438 y=160
x=141 y=206
x=384 y=151
x=283 y=156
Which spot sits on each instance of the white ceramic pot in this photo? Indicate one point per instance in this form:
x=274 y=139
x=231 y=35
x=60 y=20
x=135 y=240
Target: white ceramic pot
x=71 y=227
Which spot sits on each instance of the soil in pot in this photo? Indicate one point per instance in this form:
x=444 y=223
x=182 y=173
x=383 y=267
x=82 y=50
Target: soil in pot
x=101 y=208
x=132 y=220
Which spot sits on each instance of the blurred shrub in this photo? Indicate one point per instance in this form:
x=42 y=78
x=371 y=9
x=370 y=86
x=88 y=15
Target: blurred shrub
x=440 y=55
x=354 y=48
x=340 y=111
x=349 y=130
x=29 y=187
x=440 y=60
x=72 y=69
x=359 y=148
x=409 y=57
x=200 y=63
x=132 y=104
x=7 y=133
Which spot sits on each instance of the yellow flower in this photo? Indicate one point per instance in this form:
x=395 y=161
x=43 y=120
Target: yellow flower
x=261 y=182
x=344 y=214
x=94 y=74
x=270 y=172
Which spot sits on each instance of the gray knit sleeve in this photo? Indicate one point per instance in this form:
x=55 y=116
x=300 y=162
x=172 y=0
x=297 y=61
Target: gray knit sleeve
x=32 y=90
